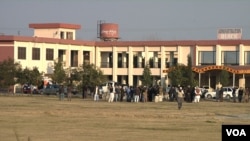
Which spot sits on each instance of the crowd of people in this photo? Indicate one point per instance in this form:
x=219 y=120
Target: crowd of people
x=146 y=94
x=132 y=93
x=137 y=94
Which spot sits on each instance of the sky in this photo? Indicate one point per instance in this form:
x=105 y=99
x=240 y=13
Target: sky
x=138 y=20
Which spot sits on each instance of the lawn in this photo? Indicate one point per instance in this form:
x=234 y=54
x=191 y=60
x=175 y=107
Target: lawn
x=45 y=118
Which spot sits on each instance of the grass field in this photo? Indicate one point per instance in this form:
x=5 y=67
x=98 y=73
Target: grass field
x=45 y=118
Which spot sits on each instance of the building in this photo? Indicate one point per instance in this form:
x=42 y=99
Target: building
x=124 y=61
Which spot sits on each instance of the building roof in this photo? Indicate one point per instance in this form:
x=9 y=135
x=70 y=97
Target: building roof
x=54 y=25
x=193 y=43
x=5 y=38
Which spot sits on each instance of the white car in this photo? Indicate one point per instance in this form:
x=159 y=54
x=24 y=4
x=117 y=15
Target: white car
x=227 y=93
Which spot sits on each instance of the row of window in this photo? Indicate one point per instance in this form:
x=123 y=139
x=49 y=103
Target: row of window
x=205 y=58
x=227 y=58
x=35 y=53
x=69 y=35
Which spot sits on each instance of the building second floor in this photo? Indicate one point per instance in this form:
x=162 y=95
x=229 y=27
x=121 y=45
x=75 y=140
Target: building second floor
x=122 y=56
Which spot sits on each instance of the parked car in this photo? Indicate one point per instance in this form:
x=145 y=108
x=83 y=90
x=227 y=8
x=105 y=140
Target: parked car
x=51 y=89
x=227 y=93
x=204 y=90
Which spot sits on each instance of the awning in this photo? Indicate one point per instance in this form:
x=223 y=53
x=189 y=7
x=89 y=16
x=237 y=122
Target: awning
x=232 y=69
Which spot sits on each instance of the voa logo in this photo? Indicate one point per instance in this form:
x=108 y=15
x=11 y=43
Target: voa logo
x=236 y=132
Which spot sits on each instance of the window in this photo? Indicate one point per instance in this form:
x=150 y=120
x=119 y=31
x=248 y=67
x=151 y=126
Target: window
x=49 y=54
x=69 y=35
x=35 y=53
x=247 y=57
x=74 y=58
x=230 y=57
x=207 y=58
x=86 y=57
x=62 y=35
x=61 y=53
x=21 y=53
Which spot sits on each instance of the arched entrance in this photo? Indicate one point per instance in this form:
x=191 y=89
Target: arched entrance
x=210 y=75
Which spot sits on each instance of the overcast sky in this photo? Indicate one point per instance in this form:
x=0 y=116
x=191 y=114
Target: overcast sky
x=137 y=19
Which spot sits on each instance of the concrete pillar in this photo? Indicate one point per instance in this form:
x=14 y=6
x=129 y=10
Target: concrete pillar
x=180 y=56
x=124 y=60
x=124 y=80
x=139 y=61
x=146 y=56
x=115 y=64
x=241 y=54
x=242 y=81
x=139 y=81
x=130 y=66
x=107 y=60
x=155 y=62
x=97 y=57
x=218 y=55
x=67 y=58
x=80 y=57
x=163 y=78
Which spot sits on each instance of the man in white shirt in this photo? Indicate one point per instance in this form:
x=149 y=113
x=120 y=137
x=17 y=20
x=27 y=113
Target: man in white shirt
x=197 y=96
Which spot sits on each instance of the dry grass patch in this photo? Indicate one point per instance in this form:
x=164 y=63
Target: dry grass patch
x=43 y=118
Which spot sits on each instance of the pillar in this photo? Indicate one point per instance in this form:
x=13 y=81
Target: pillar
x=241 y=54
x=130 y=66
x=124 y=60
x=242 y=81
x=115 y=64
x=218 y=55
x=163 y=77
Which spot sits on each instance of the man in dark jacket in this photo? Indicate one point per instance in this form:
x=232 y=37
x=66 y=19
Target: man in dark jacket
x=240 y=94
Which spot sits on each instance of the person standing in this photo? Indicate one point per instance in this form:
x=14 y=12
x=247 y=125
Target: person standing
x=84 y=92
x=246 y=95
x=221 y=94
x=117 y=93
x=69 y=94
x=171 y=93
x=180 y=97
x=96 y=95
x=128 y=97
x=61 y=93
x=234 y=94
x=197 y=94
x=240 y=94
x=145 y=94
x=137 y=94
x=122 y=93
x=111 y=94
x=188 y=94
x=217 y=93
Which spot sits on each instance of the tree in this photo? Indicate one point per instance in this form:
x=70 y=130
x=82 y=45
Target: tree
x=8 y=70
x=224 y=77
x=59 y=75
x=29 y=76
x=147 y=79
x=190 y=74
x=36 y=76
x=178 y=75
x=91 y=75
x=74 y=75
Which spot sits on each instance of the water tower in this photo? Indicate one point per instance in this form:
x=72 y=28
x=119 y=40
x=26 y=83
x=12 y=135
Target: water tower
x=107 y=31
